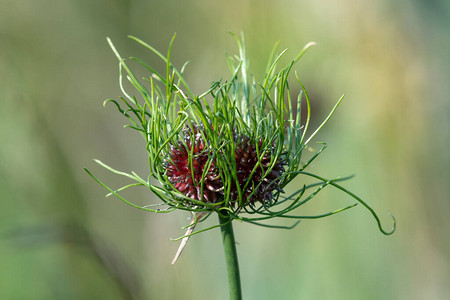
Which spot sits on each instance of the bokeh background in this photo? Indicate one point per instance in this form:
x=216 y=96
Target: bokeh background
x=60 y=238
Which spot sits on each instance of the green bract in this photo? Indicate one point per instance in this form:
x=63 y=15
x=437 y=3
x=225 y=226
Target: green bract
x=170 y=116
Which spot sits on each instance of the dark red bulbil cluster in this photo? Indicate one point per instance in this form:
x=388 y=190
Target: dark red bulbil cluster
x=186 y=175
x=259 y=188
x=180 y=169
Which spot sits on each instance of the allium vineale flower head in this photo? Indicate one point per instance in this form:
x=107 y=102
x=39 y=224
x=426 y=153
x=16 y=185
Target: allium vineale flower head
x=230 y=150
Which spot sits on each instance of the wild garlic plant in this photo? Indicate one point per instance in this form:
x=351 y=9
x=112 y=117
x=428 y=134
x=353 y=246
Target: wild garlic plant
x=230 y=150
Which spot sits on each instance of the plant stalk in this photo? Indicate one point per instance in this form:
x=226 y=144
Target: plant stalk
x=231 y=259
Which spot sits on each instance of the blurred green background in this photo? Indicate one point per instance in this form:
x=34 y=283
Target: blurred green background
x=60 y=238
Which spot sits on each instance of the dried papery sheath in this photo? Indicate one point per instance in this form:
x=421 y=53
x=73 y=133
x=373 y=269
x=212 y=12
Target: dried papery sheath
x=231 y=150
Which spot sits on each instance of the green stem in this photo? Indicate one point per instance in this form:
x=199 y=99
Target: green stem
x=229 y=247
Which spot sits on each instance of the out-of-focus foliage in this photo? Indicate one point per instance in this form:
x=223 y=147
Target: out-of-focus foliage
x=61 y=239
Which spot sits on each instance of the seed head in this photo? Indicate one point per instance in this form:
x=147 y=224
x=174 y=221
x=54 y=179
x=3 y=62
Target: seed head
x=244 y=143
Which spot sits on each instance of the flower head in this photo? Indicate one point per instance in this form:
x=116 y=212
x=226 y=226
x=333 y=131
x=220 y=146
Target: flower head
x=231 y=149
